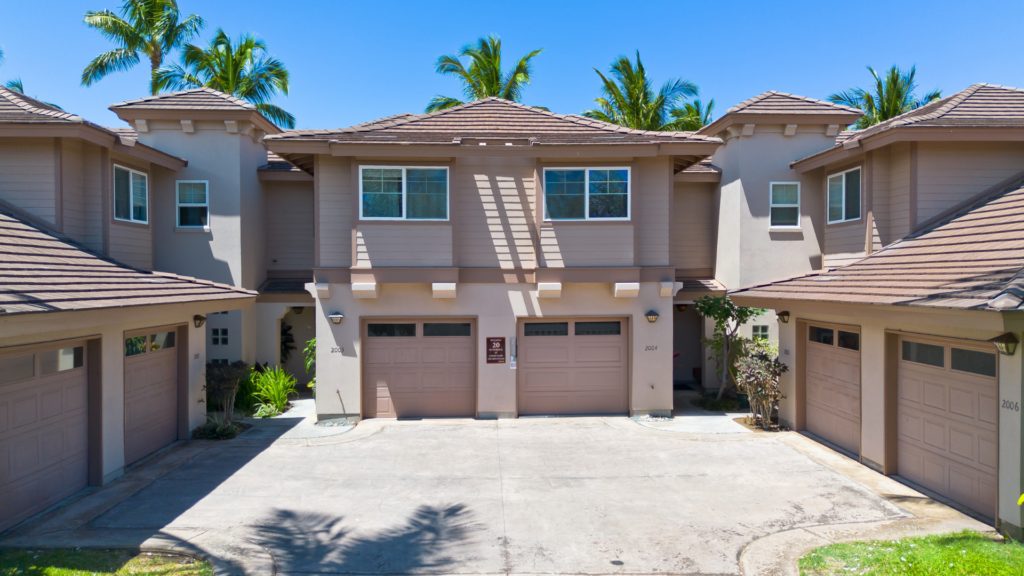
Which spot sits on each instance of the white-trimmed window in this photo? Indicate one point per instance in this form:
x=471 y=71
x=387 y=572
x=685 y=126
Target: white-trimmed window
x=193 y=202
x=759 y=331
x=586 y=193
x=131 y=195
x=785 y=205
x=220 y=336
x=403 y=193
x=844 y=196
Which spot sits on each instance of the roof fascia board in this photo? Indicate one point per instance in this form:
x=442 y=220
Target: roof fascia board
x=93 y=136
x=982 y=319
x=842 y=118
x=151 y=155
x=131 y=114
x=279 y=147
x=454 y=150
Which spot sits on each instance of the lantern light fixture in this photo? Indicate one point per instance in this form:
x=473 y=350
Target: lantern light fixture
x=336 y=317
x=652 y=316
x=784 y=317
x=298 y=309
x=681 y=307
x=1006 y=343
x=199 y=320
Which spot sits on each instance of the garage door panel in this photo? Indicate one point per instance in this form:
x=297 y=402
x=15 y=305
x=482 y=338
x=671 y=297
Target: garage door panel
x=540 y=353
x=541 y=379
x=988 y=452
x=373 y=356
x=600 y=380
x=404 y=380
x=461 y=355
x=607 y=353
x=151 y=400
x=435 y=355
x=406 y=355
x=988 y=409
x=833 y=392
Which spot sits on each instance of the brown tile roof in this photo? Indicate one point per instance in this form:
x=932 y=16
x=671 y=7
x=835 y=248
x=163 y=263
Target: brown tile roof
x=194 y=99
x=973 y=258
x=277 y=164
x=490 y=118
x=980 y=106
x=773 y=102
x=42 y=272
x=16 y=108
x=703 y=167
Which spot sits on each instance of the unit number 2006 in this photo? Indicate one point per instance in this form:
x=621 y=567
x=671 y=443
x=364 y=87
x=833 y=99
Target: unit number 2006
x=1010 y=405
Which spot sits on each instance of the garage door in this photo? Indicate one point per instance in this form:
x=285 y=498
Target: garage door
x=150 y=392
x=573 y=367
x=833 y=384
x=419 y=369
x=948 y=420
x=44 y=434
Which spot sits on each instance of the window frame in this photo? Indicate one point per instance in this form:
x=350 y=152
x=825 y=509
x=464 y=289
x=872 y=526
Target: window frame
x=178 y=205
x=405 y=192
x=860 y=195
x=131 y=194
x=586 y=193
x=771 y=204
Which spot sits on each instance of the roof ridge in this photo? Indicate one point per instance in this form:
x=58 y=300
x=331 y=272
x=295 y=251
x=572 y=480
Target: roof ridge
x=156 y=97
x=765 y=95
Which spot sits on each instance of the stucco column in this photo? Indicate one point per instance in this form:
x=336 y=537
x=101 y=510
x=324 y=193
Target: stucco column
x=197 y=402
x=1011 y=442
x=113 y=403
x=787 y=382
x=872 y=393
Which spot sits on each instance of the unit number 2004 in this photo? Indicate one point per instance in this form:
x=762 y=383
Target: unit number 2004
x=650 y=348
x=1010 y=405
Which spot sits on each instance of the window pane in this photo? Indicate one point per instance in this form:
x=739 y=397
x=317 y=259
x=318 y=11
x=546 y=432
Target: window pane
x=161 y=341
x=849 y=340
x=853 y=195
x=192 y=216
x=973 y=361
x=382 y=192
x=390 y=330
x=122 y=194
x=821 y=335
x=440 y=329
x=924 y=354
x=760 y=331
x=428 y=194
x=609 y=193
x=139 y=197
x=564 y=194
x=16 y=368
x=53 y=361
x=135 y=346
x=785 y=216
x=785 y=194
x=546 y=329
x=191 y=193
x=598 y=328
x=835 y=198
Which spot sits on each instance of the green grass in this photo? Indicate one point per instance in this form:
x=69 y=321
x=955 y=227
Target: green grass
x=961 y=554
x=98 y=563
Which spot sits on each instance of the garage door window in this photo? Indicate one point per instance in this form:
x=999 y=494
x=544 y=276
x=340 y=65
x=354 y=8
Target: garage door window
x=135 y=346
x=161 y=341
x=924 y=354
x=822 y=335
x=598 y=328
x=390 y=330
x=546 y=329
x=972 y=361
x=54 y=361
x=15 y=368
x=849 y=340
x=446 y=329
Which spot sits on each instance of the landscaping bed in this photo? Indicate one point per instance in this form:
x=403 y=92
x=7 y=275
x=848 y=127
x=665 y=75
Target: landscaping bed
x=80 y=562
x=964 y=553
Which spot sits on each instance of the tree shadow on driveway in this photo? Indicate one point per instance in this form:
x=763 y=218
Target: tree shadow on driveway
x=430 y=540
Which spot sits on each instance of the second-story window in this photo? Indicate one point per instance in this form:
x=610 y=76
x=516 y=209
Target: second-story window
x=586 y=193
x=844 y=196
x=403 y=193
x=785 y=204
x=193 y=204
x=131 y=195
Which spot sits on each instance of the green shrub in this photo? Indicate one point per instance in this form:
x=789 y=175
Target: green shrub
x=222 y=381
x=309 y=355
x=245 y=400
x=273 y=389
x=216 y=429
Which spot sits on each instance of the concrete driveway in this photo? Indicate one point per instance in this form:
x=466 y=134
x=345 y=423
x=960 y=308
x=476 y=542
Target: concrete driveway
x=528 y=496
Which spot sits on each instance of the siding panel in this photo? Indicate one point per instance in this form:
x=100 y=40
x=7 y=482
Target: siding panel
x=652 y=192
x=951 y=172
x=496 y=199
x=132 y=245
x=28 y=176
x=404 y=245
x=73 y=213
x=289 y=225
x=92 y=198
x=334 y=177
x=693 y=226
x=587 y=244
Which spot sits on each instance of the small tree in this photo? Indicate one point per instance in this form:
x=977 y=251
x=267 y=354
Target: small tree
x=728 y=318
x=758 y=377
x=222 y=384
x=309 y=355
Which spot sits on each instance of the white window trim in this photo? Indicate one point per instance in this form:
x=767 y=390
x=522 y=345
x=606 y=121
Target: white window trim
x=178 y=204
x=405 y=191
x=586 y=193
x=771 y=204
x=859 y=196
x=131 y=194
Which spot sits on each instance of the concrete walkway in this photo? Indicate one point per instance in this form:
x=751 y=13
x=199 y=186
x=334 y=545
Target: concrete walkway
x=689 y=419
x=552 y=496
x=299 y=422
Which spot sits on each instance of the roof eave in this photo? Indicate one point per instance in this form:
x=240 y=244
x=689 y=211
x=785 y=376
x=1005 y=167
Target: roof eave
x=131 y=113
x=831 y=119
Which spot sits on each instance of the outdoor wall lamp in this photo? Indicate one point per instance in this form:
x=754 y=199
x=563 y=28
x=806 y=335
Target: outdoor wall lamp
x=784 y=317
x=681 y=307
x=336 y=317
x=652 y=316
x=1006 y=343
x=199 y=320
x=298 y=309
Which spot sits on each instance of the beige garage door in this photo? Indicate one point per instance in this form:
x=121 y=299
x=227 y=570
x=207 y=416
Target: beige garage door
x=833 y=384
x=150 y=392
x=419 y=369
x=573 y=367
x=948 y=420
x=44 y=433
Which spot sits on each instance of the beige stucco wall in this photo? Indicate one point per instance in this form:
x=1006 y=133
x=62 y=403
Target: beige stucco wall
x=873 y=323
x=496 y=308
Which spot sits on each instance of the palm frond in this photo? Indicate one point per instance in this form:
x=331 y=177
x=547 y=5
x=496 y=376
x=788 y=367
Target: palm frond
x=628 y=98
x=114 y=28
x=482 y=76
x=893 y=95
x=117 y=60
x=438 y=103
x=276 y=114
x=15 y=85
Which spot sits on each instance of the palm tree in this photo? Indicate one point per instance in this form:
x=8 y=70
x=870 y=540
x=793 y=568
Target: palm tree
x=629 y=100
x=692 y=116
x=484 y=77
x=893 y=95
x=242 y=69
x=151 y=28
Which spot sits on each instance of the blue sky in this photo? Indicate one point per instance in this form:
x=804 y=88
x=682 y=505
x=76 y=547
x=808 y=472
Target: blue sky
x=356 y=61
